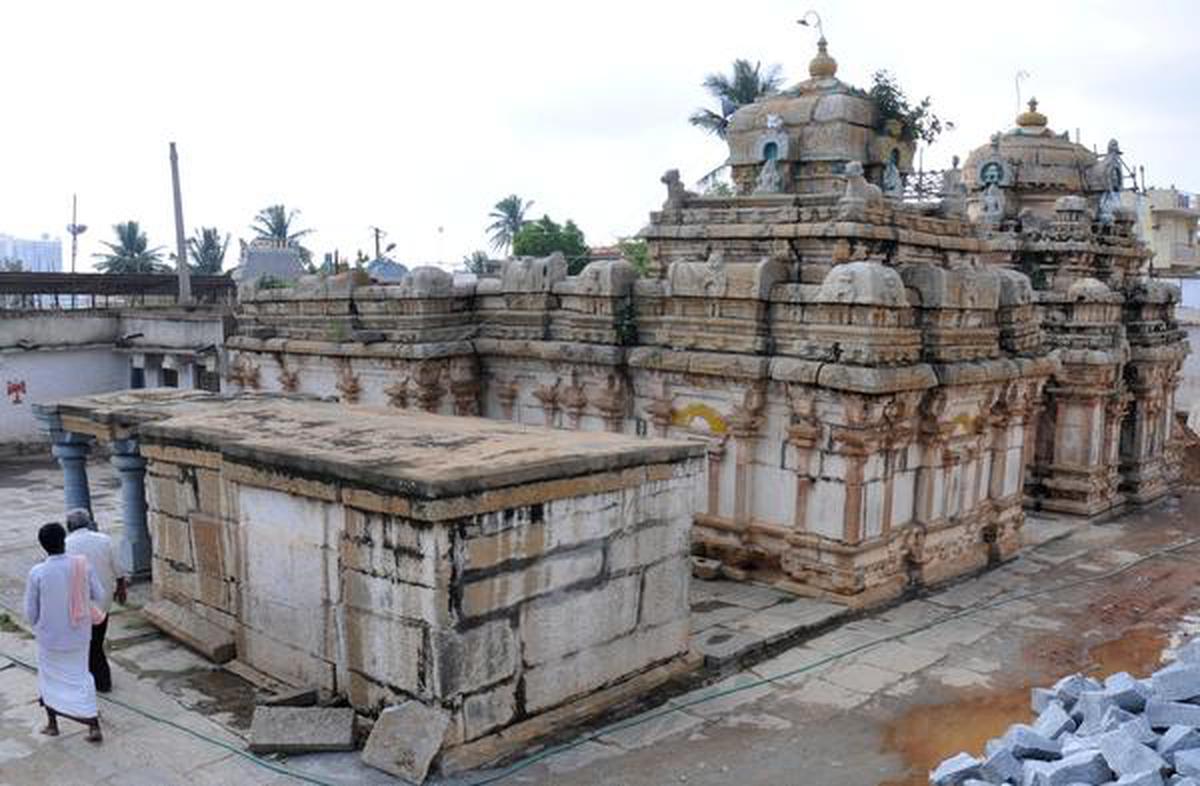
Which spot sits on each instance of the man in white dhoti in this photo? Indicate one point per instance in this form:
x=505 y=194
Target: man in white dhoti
x=58 y=604
x=101 y=554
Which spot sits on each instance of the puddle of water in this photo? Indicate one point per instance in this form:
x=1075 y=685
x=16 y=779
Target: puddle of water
x=926 y=735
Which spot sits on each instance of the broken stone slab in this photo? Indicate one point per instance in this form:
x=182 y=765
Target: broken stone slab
x=1114 y=717
x=211 y=641
x=1175 y=739
x=1140 y=730
x=1179 y=780
x=1177 y=683
x=955 y=771
x=405 y=740
x=1089 y=710
x=1082 y=767
x=298 y=697
x=1164 y=714
x=1127 y=756
x=1026 y=743
x=302 y=729
x=1067 y=689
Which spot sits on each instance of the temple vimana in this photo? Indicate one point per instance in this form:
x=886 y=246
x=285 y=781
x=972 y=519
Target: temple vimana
x=882 y=384
x=828 y=381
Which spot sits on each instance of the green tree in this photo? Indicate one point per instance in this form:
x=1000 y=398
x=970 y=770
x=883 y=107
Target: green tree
x=476 y=262
x=11 y=266
x=207 y=250
x=131 y=253
x=916 y=121
x=508 y=218
x=274 y=222
x=637 y=252
x=544 y=236
x=747 y=84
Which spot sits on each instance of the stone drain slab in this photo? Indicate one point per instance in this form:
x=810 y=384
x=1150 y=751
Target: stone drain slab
x=731 y=620
x=302 y=729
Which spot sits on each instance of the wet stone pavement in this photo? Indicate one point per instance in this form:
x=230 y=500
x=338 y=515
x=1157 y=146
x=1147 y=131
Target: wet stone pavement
x=794 y=691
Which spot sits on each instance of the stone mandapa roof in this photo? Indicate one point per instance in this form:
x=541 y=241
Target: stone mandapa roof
x=408 y=453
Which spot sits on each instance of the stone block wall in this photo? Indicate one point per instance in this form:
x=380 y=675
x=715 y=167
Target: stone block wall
x=495 y=607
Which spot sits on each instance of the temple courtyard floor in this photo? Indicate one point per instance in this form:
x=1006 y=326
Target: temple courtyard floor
x=792 y=691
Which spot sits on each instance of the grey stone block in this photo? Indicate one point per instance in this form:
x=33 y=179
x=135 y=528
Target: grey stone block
x=1189 y=653
x=302 y=729
x=1147 y=778
x=1040 y=698
x=1180 y=780
x=1082 y=767
x=1026 y=743
x=1126 y=692
x=1089 y=710
x=1001 y=767
x=405 y=739
x=955 y=771
x=1067 y=689
x=1177 y=683
x=1140 y=730
x=1127 y=756
x=1188 y=762
x=720 y=645
x=1163 y=714
x=1175 y=739
x=211 y=641
x=1054 y=722
x=1114 y=717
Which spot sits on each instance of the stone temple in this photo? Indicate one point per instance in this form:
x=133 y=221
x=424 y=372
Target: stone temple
x=848 y=388
x=883 y=383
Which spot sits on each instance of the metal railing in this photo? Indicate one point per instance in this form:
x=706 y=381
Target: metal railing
x=66 y=291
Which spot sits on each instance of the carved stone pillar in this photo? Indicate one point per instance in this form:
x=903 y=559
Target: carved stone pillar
x=132 y=469
x=716 y=453
x=72 y=450
x=611 y=403
x=574 y=401
x=506 y=394
x=745 y=421
x=803 y=435
x=661 y=409
x=550 y=397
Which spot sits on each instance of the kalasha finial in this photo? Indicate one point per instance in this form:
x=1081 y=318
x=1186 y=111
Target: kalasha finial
x=822 y=66
x=1032 y=118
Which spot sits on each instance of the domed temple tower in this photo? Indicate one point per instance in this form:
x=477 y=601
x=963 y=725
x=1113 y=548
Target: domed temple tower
x=883 y=380
x=1051 y=209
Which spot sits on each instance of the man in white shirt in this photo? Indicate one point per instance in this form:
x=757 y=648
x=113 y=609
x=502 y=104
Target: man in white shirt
x=83 y=539
x=58 y=604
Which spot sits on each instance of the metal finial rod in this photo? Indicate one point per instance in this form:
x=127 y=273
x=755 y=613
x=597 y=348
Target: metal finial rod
x=1022 y=74
x=803 y=20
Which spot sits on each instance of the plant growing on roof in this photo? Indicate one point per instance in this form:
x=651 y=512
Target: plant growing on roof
x=916 y=121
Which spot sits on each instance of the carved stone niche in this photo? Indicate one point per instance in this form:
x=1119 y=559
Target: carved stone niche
x=430 y=389
x=464 y=384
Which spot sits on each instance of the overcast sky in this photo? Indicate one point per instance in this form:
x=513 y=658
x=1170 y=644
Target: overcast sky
x=415 y=116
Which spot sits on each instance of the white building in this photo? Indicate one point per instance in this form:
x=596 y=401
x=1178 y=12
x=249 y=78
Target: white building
x=36 y=256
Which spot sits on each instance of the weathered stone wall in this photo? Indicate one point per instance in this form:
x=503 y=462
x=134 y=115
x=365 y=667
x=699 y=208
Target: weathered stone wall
x=495 y=607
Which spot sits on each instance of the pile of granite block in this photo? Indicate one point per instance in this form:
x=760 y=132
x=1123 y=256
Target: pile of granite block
x=1122 y=731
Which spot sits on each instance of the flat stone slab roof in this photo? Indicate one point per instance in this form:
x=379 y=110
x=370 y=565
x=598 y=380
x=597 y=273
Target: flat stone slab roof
x=414 y=454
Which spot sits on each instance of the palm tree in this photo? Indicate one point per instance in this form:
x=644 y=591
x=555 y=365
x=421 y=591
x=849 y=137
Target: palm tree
x=275 y=223
x=207 y=251
x=476 y=262
x=130 y=254
x=509 y=215
x=749 y=83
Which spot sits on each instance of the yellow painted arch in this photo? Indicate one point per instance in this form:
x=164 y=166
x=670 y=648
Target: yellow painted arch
x=683 y=417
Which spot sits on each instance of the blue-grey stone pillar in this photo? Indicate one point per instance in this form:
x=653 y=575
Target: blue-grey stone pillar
x=132 y=468
x=72 y=454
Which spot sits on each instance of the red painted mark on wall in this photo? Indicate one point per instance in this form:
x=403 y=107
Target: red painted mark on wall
x=16 y=390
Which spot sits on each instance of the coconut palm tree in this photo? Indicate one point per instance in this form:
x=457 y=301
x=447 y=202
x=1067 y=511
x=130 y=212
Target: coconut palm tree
x=509 y=217
x=274 y=222
x=747 y=84
x=207 y=250
x=131 y=252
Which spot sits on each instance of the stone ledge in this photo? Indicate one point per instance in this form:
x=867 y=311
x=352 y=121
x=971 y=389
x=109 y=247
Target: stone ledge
x=190 y=628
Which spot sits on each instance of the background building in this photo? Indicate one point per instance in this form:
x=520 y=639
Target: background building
x=36 y=256
x=1166 y=220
